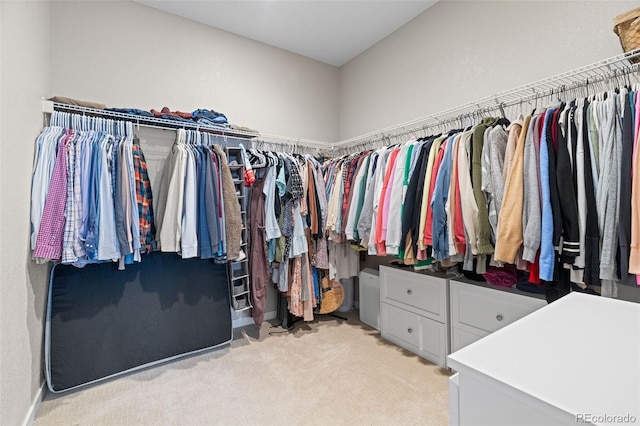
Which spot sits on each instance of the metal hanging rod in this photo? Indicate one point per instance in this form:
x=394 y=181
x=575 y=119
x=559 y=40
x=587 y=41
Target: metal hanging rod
x=287 y=140
x=579 y=77
x=303 y=146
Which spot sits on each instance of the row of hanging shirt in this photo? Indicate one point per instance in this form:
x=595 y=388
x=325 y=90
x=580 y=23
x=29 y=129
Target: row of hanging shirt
x=91 y=198
x=288 y=247
x=551 y=193
x=198 y=213
x=92 y=201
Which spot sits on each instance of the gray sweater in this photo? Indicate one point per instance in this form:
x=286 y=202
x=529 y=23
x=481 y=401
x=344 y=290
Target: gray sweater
x=531 y=209
x=607 y=198
x=497 y=139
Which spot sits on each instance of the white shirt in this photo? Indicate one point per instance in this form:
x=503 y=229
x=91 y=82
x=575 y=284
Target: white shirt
x=272 y=229
x=189 y=224
x=170 y=232
x=467 y=200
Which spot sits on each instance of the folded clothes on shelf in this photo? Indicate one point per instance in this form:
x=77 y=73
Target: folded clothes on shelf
x=132 y=111
x=210 y=115
x=166 y=113
x=207 y=122
x=242 y=129
x=69 y=101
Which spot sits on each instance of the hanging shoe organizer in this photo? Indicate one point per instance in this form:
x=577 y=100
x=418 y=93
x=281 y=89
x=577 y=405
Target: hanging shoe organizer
x=239 y=269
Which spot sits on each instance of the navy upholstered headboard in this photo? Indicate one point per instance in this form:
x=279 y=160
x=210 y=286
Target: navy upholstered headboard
x=102 y=322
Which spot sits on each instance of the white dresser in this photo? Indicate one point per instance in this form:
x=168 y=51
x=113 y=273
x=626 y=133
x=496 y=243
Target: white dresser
x=575 y=361
x=478 y=310
x=414 y=312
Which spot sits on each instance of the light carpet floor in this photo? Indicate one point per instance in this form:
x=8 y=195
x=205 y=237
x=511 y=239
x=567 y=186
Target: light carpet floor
x=327 y=372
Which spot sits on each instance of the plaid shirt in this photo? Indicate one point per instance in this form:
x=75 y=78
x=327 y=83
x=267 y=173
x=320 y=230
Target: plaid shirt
x=70 y=210
x=144 y=199
x=346 y=197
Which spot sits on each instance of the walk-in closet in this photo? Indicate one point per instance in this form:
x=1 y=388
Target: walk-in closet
x=319 y=212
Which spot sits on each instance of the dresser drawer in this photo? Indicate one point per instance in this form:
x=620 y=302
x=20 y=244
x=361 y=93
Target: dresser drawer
x=421 y=335
x=426 y=294
x=434 y=340
x=486 y=309
x=401 y=324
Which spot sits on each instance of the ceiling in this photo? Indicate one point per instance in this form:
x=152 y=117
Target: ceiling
x=329 y=31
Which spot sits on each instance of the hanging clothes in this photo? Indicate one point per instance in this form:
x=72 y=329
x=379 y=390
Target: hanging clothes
x=92 y=199
x=258 y=254
x=543 y=193
x=289 y=216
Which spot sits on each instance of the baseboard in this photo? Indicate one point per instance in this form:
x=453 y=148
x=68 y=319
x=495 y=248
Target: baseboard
x=244 y=321
x=241 y=322
x=35 y=407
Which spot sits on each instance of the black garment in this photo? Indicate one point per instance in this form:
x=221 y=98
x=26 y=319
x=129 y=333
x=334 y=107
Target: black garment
x=553 y=189
x=592 y=233
x=318 y=212
x=568 y=201
x=410 y=218
x=574 y=145
x=484 y=228
x=624 y=227
x=415 y=218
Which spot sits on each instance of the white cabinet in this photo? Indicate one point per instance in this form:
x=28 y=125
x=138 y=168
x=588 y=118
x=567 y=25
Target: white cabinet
x=369 y=297
x=574 y=361
x=414 y=312
x=477 y=311
x=428 y=314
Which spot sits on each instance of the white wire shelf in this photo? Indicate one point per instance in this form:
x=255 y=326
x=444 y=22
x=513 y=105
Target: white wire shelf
x=50 y=107
x=580 y=77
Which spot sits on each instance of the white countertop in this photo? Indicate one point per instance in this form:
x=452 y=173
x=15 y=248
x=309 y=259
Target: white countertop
x=580 y=354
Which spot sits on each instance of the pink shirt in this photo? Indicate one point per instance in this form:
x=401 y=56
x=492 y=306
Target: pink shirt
x=380 y=220
x=51 y=232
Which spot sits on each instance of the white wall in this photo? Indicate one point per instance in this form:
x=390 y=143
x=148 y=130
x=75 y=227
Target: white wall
x=126 y=54
x=459 y=51
x=25 y=49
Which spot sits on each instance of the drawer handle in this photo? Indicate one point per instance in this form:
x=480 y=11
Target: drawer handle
x=410 y=330
x=409 y=291
x=499 y=317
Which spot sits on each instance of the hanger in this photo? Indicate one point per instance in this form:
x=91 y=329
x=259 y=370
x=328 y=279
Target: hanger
x=256 y=159
x=272 y=159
